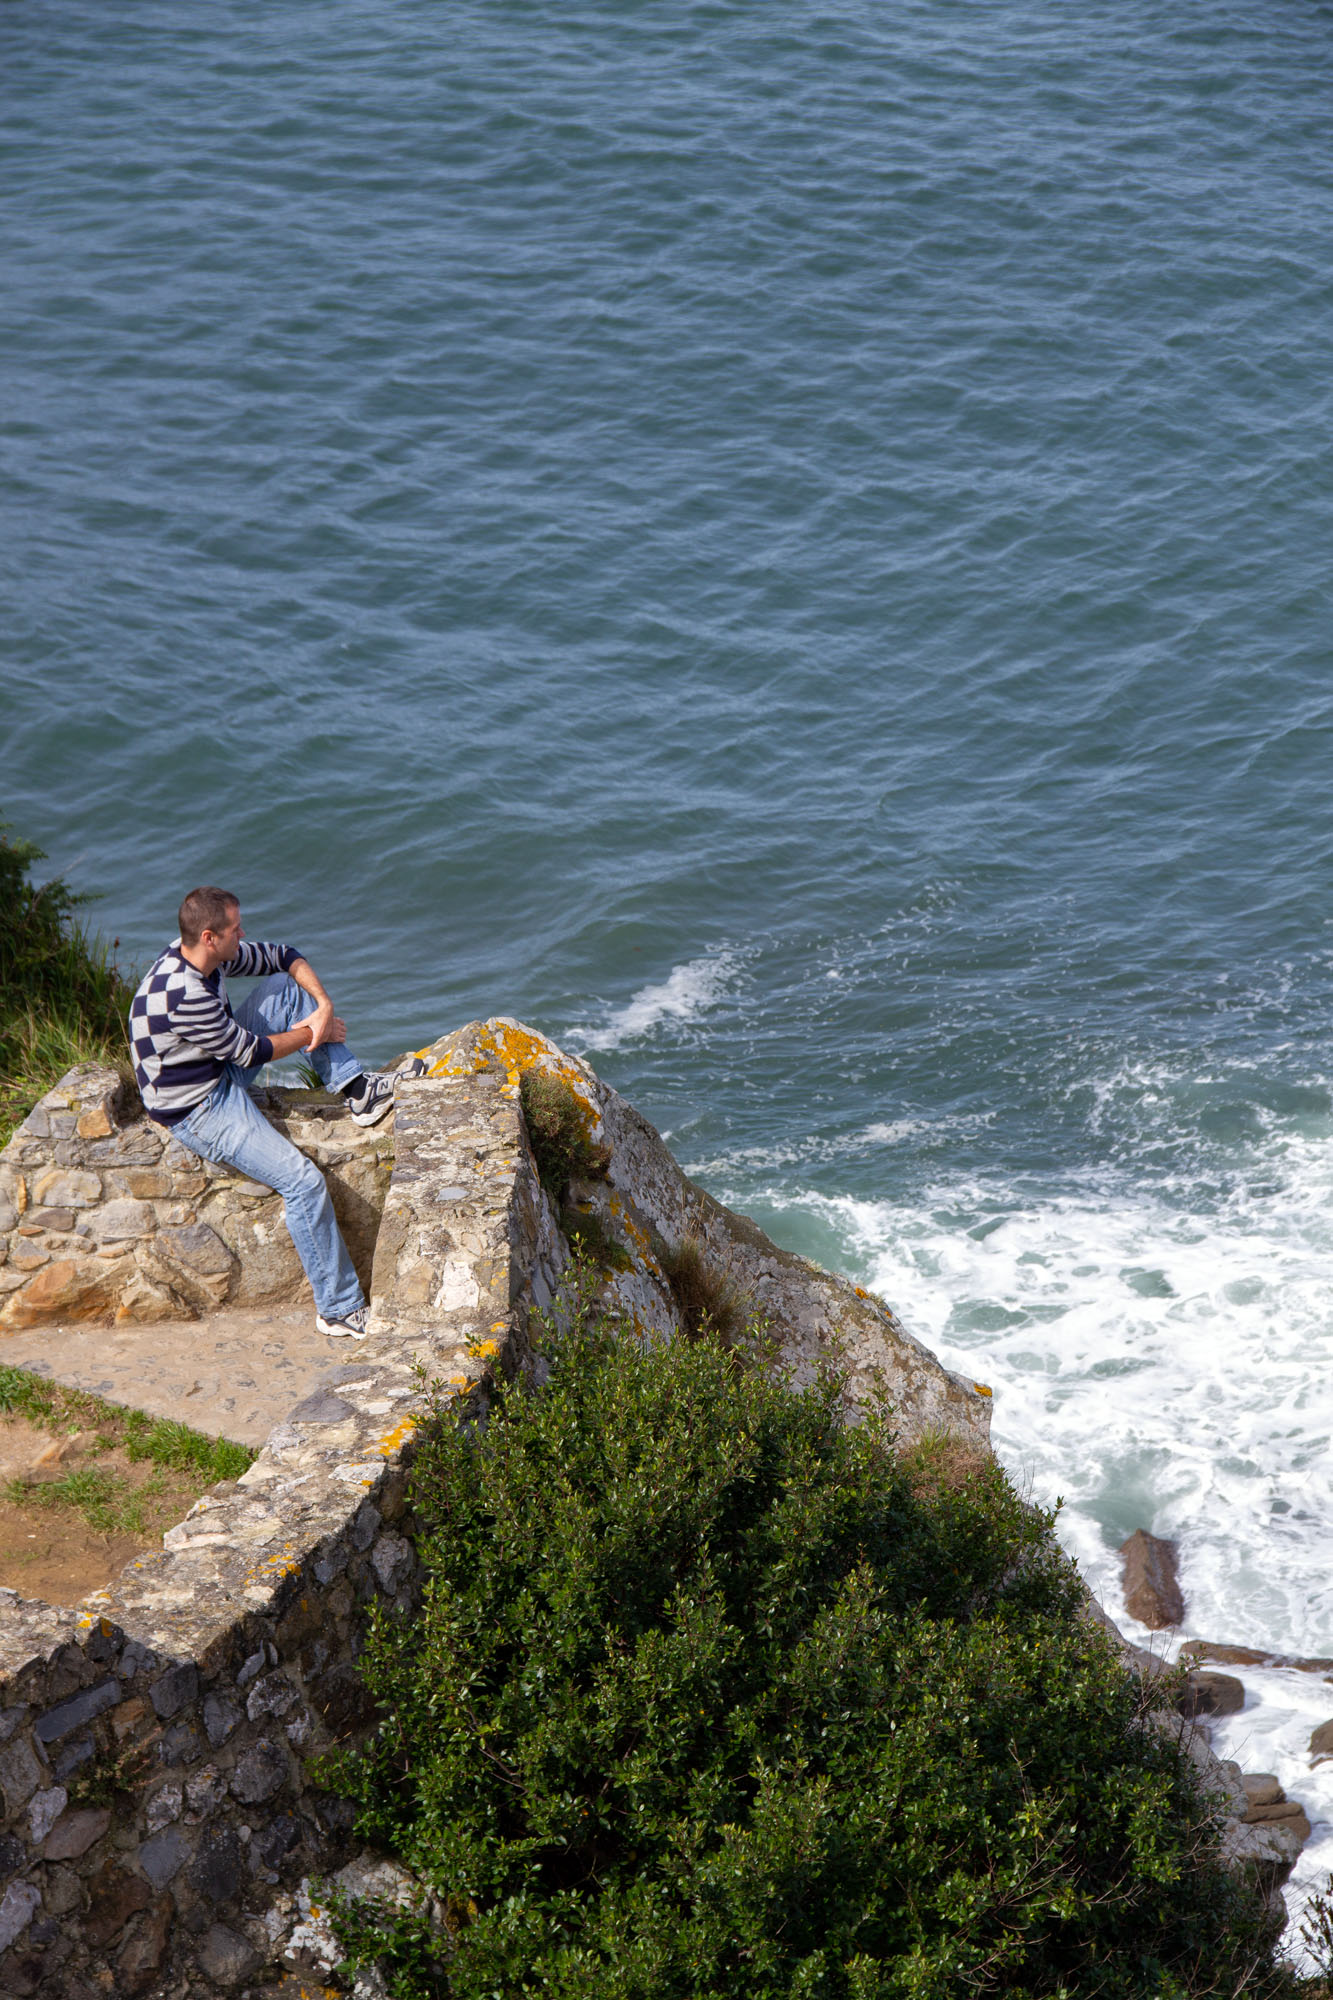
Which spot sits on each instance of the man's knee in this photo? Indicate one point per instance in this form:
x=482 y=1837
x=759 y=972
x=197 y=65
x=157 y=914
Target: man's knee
x=304 y=1176
x=279 y=990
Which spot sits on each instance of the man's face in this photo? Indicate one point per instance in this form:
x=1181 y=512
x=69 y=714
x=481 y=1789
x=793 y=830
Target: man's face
x=225 y=942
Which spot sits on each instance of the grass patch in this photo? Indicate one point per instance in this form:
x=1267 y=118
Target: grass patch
x=172 y=1446
x=107 y=1497
x=558 y=1134
x=713 y=1697
x=105 y=1503
x=708 y=1299
x=62 y=999
x=942 y=1462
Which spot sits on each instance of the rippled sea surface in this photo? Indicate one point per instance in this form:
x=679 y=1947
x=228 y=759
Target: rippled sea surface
x=789 y=547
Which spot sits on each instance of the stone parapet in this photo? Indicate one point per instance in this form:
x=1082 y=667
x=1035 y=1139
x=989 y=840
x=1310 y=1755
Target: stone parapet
x=160 y=1817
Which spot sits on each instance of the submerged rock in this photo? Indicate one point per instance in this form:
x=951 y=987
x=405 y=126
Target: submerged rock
x=1212 y=1694
x=1321 y=1743
x=1152 y=1591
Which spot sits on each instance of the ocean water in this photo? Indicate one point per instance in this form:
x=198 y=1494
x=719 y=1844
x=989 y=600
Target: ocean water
x=788 y=547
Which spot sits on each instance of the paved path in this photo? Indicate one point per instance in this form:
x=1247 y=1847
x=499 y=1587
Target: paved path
x=232 y=1375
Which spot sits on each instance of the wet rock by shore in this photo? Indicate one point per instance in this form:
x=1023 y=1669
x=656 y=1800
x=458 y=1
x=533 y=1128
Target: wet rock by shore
x=1152 y=1587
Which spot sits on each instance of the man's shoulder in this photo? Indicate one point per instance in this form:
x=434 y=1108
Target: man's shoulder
x=168 y=969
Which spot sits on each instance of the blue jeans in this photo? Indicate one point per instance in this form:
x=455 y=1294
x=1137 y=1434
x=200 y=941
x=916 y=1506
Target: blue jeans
x=230 y=1128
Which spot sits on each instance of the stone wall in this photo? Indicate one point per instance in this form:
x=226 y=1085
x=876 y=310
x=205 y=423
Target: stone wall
x=161 y=1825
x=103 y=1215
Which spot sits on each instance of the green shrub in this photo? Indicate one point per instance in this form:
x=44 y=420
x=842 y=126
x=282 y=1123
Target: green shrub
x=714 y=1696
x=558 y=1133
x=1316 y=1937
x=62 y=1001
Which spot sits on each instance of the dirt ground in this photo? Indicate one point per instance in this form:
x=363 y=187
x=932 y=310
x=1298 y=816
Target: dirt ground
x=51 y=1551
x=232 y=1375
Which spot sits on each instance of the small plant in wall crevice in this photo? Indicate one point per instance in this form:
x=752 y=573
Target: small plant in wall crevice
x=558 y=1133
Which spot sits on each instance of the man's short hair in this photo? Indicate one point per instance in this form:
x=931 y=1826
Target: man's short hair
x=206 y=909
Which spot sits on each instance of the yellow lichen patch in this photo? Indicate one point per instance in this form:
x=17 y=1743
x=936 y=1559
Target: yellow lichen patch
x=395 y=1439
x=638 y=1237
x=516 y=1048
x=272 y=1568
x=982 y=1389
x=453 y=1065
x=507 y=1045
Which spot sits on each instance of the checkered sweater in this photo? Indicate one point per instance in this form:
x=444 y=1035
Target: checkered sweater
x=183 y=1032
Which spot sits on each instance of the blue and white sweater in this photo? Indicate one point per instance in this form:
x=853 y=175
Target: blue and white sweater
x=183 y=1032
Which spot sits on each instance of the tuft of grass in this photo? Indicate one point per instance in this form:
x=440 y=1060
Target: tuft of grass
x=172 y=1446
x=107 y=1504
x=558 y=1133
x=590 y=1238
x=708 y=1299
x=102 y=1782
x=942 y=1462
x=176 y=1448
x=62 y=998
x=24 y=1395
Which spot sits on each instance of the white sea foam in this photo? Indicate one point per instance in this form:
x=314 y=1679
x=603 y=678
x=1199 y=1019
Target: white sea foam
x=1157 y=1368
x=894 y=1132
x=687 y=992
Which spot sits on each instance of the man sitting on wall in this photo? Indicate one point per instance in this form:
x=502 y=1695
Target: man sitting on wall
x=196 y=1062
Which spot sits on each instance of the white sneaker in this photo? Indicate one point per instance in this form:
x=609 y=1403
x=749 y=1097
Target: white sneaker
x=354 y=1324
x=374 y=1099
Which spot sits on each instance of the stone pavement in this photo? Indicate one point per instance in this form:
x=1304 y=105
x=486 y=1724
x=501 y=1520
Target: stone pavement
x=230 y=1374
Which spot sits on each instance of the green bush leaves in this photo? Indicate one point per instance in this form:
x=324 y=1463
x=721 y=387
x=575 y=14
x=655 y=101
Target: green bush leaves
x=62 y=1000
x=714 y=1696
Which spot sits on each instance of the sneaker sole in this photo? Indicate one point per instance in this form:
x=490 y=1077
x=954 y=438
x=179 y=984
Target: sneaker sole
x=375 y=1113
x=337 y=1329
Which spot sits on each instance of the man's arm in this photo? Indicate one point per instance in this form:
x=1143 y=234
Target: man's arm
x=321 y=1026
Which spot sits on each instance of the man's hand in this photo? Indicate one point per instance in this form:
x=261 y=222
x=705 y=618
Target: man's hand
x=324 y=1025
